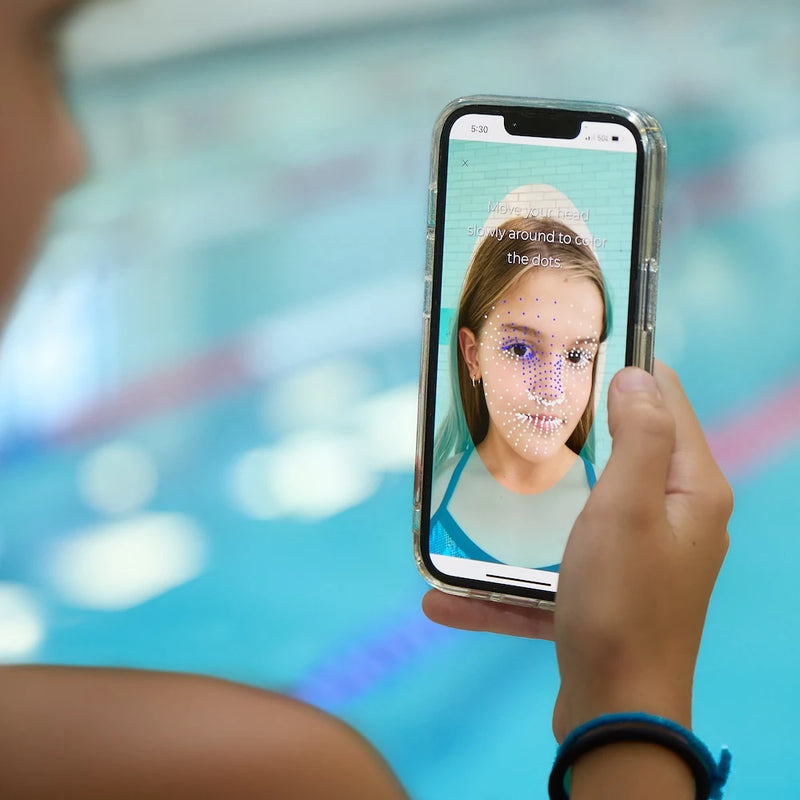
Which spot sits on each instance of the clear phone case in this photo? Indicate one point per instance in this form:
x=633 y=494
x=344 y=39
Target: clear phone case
x=653 y=155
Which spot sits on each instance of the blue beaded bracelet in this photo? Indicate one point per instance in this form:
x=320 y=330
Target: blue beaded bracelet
x=709 y=776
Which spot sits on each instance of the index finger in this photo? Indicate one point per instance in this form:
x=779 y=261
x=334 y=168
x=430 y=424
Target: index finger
x=472 y=614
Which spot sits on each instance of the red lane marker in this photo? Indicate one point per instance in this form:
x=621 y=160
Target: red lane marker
x=743 y=443
x=213 y=373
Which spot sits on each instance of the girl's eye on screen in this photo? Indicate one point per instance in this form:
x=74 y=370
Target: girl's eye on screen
x=518 y=350
x=579 y=357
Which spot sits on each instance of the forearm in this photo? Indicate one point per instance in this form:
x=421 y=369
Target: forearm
x=631 y=771
x=91 y=733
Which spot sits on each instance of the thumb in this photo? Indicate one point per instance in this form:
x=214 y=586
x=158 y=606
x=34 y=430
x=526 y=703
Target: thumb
x=643 y=439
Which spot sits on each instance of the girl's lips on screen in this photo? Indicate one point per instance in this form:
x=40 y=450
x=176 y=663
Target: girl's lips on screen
x=546 y=423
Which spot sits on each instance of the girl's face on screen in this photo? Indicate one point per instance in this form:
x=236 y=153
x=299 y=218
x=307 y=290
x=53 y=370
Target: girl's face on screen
x=536 y=353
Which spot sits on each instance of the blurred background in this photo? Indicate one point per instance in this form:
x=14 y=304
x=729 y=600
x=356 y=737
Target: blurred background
x=207 y=392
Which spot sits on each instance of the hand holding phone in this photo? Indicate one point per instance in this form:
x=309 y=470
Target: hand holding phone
x=638 y=571
x=543 y=245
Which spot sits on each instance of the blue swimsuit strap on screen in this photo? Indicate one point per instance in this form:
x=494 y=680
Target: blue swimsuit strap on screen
x=454 y=541
x=453 y=482
x=591 y=477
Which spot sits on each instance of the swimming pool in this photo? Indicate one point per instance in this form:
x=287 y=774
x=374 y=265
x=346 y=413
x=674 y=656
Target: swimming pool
x=208 y=392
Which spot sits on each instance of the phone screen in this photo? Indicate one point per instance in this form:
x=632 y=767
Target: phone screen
x=533 y=286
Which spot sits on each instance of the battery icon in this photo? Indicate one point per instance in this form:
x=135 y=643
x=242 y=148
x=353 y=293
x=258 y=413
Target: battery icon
x=615 y=138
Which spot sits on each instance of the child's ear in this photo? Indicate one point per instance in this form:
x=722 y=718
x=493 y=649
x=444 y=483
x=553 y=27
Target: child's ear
x=468 y=344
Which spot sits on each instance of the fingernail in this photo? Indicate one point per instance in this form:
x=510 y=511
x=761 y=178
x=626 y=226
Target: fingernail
x=634 y=379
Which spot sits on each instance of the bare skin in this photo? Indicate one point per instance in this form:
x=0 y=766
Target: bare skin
x=40 y=150
x=634 y=588
x=91 y=733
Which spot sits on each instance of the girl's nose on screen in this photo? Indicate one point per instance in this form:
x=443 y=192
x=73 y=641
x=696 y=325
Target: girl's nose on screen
x=545 y=382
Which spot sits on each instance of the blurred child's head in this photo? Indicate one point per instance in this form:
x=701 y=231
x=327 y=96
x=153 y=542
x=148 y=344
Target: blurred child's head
x=40 y=151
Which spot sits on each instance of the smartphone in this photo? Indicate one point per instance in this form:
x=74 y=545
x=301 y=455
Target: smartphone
x=543 y=241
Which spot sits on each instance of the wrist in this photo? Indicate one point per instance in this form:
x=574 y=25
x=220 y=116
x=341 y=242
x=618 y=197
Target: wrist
x=639 y=752
x=668 y=699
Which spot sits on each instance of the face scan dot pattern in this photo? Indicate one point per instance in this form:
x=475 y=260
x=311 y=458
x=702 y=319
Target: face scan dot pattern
x=536 y=389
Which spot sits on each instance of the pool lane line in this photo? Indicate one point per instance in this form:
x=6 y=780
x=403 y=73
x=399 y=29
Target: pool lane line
x=752 y=437
x=353 y=669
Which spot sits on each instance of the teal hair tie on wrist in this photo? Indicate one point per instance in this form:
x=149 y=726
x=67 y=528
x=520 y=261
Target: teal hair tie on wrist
x=709 y=775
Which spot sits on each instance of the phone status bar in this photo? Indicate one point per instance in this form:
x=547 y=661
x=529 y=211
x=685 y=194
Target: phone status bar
x=592 y=136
